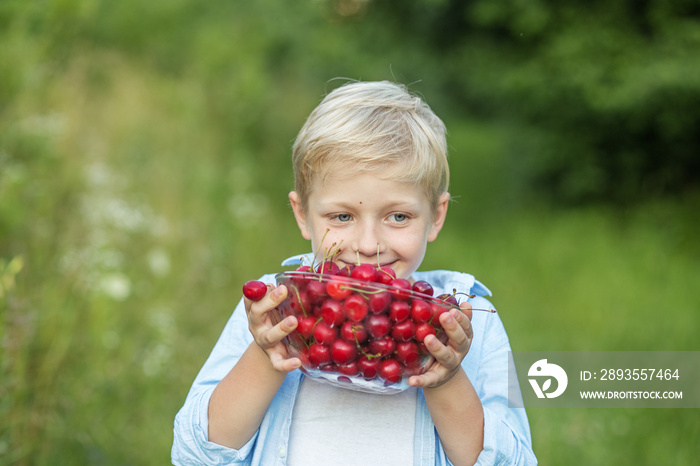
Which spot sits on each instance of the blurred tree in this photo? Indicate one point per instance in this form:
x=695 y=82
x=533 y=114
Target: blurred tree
x=602 y=97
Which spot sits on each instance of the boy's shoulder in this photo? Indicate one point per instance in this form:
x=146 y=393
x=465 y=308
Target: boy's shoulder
x=450 y=280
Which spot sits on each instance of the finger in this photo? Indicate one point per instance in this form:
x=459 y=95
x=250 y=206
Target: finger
x=466 y=309
x=458 y=329
x=464 y=321
x=433 y=378
x=427 y=379
x=282 y=364
x=276 y=333
x=442 y=354
x=249 y=302
x=272 y=299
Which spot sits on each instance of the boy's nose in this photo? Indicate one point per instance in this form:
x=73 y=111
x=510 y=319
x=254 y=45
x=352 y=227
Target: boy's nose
x=367 y=242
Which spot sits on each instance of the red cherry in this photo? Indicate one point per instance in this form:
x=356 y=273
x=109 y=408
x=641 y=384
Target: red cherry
x=450 y=298
x=421 y=286
x=404 y=330
x=300 y=302
x=346 y=271
x=324 y=334
x=300 y=278
x=423 y=330
x=305 y=327
x=383 y=346
x=355 y=307
x=407 y=352
x=438 y=310
x=254 y=290
x=378 y=325
x=369 y=367
x=402 y=289
x=379 y=301
x=296 y=341
x=364 y=272
x=399 y=310
x=350 y=368
x=328 y=267
x=316 y=290
x=343 y=352
x=390 y=370
x=332 y=312
x=319 y=355
x=420 y=311
x=338 y=289
x=354 y=332
x=304 y=357
x=385 y=274
x=285 y=308
x=414 y=368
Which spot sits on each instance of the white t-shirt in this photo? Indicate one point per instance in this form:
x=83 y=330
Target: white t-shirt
x=332 y=425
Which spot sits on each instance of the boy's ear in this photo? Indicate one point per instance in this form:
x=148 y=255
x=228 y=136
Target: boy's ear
x=440 y=215
x=299 y=214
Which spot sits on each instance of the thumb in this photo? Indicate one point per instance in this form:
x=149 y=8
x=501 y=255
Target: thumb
x=466 y=308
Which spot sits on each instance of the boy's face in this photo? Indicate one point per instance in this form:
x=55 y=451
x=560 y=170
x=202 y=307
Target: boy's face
x=378 y=220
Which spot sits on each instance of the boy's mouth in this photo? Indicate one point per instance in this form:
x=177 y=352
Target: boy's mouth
x=343 y=263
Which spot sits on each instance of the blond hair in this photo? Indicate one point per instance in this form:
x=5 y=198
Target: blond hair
x=368 y=126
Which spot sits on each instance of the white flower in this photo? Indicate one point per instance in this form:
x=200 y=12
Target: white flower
x=116 y=285
x=159 y=262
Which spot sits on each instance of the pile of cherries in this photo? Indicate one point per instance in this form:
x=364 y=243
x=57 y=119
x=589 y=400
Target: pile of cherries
x=359 y=323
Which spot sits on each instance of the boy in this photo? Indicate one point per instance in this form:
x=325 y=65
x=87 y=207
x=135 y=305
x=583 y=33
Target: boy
x=371 y=175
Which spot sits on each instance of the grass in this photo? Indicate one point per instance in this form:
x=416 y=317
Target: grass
x=584 y=283
x=132 y=208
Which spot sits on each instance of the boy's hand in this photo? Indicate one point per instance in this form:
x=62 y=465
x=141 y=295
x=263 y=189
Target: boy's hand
x=268 y=335
x=448 y=356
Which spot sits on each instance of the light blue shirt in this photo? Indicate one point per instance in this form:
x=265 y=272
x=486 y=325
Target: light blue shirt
x=506 y=430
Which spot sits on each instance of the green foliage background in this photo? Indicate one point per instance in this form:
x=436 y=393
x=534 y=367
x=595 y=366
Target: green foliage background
x=144 y=166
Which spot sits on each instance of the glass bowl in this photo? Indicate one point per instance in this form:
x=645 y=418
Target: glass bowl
x=360 y=335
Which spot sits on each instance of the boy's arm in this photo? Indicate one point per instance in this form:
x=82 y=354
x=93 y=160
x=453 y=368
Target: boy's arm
x=507 y=438
x=458 y=417
x=191 y=442
x=241 y=399
x=500 y=433
x=454 y=405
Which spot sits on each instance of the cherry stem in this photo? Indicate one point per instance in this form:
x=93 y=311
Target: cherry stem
x=337 y=249
x=381 y=270
x=359 y=290
x=455 y=293
x=359 y=347
x=326 y=256
x=318 y=249
x=303 y=311
x=469 y=296
x=303 y=340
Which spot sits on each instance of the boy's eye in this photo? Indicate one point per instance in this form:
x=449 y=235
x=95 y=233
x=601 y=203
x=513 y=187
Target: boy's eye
x=344 y=217
x=399 y=218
